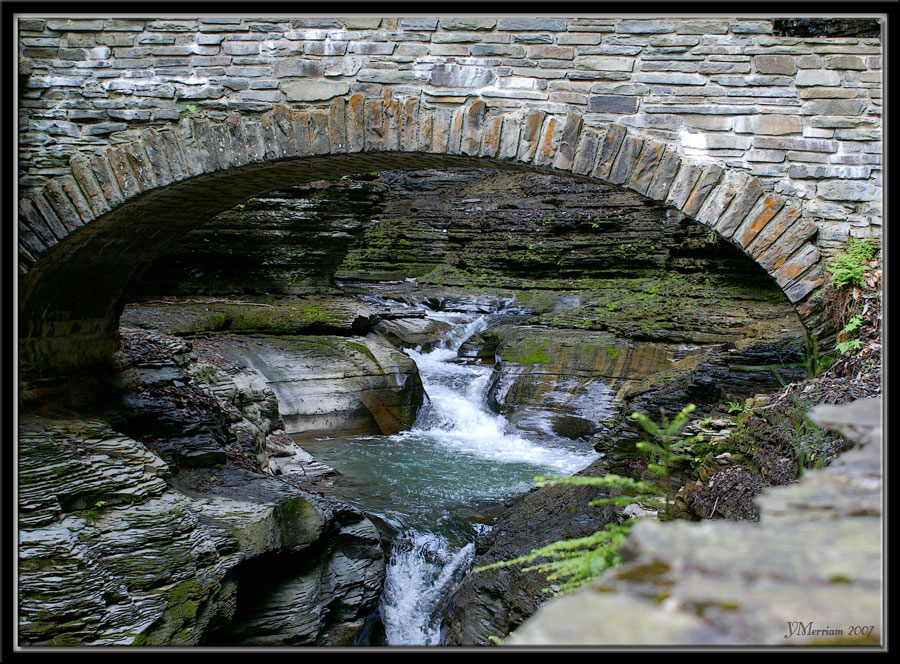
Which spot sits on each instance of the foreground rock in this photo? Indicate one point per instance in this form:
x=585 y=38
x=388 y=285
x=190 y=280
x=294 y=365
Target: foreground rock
x=809 y=573
x=495 y=602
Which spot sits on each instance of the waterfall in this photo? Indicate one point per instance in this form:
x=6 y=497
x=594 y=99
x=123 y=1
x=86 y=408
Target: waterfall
x=457 y=427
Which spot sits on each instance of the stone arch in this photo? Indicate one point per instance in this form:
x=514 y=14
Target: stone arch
x=85 y=236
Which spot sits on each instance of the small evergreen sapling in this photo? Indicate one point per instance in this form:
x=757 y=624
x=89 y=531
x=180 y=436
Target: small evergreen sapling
x=573 y=563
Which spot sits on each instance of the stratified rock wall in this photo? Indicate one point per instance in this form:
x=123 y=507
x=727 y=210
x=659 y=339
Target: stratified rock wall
x=164 y=536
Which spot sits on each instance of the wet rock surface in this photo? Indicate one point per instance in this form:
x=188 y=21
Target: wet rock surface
x=814 y=557
x=496 y=602
x=127 y=543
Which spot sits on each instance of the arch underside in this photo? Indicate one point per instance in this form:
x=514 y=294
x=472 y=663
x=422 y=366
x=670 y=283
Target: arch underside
x=86 y=238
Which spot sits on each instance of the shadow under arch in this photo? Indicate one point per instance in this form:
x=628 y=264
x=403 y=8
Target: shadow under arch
x=86 y=238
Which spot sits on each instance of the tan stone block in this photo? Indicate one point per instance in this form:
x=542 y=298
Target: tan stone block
x=490 y=146
x=810 y=281
x=319 y=132
x=83 y=173
x=374 y=125
x=106 y=178
x=457 y=118
x=125 y=178
x=337 y=125
x=530 y=135
x=356 y=123
x=549 y=142
x=440 y=131
x=683 y=184
x=796 y=264
x=565 y=155
x=788 y=241
x=473 y=125
x=587 y=151
x=300 y=123
x=234 y=125
x=747 y=194
x=645 y=167
x=775 y=64
x=708 y=179
x=770 y=233
x=424 y=129
x=509 y=137
x=761 y=214
x=664 y=176
x=609 y=149
x=408 y=113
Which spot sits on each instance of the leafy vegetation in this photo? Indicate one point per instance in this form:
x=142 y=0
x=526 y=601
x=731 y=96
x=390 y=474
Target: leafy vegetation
x=570 y=564
x=848 y=267
x=813 y=359
x=849 y=345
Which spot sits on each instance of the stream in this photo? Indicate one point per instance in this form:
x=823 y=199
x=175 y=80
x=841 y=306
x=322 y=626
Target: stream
x=434 y=482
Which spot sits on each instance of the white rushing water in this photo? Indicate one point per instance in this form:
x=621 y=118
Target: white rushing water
x=426 y=566
x=422 y=570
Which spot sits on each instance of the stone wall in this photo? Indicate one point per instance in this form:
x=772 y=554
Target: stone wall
x=780 y=99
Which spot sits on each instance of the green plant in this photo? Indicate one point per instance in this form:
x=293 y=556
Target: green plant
x=735 y=407
x=663 y=452
x=848 y=267
x=191 y=109
x=852 y=325
x=575 y=562
x=806 y=437
x=814 y=361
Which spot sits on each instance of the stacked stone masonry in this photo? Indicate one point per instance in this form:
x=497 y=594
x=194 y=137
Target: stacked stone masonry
x=772 y=141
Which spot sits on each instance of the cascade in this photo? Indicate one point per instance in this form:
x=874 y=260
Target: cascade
x=428 y=481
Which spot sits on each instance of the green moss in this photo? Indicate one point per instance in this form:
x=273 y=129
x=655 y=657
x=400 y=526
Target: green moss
x=700 y=608
x=360 y=348
x=527 y=351
x=651 y=572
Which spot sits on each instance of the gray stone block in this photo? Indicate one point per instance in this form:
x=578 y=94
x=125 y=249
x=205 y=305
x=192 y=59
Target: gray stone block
x=429 y=24
x=848 y=191
x=461 y=76
x=315 y=90
x=639 y=26
x=612 y=104
x=824 y=77
x=532 y=24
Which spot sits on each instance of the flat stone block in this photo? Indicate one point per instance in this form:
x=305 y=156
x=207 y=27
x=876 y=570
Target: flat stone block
x=314 y=90
x=848 y=191
x=532 y=24
x=822 y=77
x=613 y=104
x=643 y=27
x=601 y=63
x=775 y=64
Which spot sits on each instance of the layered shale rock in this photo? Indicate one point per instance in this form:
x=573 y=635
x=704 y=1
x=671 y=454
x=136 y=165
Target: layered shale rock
x=327 y=368
x=115 y=551
x=164 y=536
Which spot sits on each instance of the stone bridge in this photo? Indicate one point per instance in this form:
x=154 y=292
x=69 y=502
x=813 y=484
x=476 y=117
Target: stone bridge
x=134 y=131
